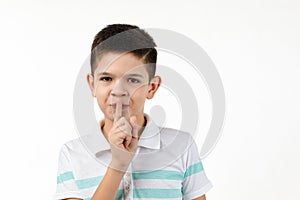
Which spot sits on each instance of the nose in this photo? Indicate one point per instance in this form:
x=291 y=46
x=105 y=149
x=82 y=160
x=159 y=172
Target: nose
x=119 y=90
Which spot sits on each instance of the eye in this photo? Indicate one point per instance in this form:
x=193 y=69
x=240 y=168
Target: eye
x=133 y=80
x=105 y=79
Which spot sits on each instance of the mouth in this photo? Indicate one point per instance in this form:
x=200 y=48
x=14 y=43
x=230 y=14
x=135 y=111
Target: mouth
x=124 y=106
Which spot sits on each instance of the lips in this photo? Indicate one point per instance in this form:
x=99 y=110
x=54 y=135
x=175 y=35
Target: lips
x=124 y=106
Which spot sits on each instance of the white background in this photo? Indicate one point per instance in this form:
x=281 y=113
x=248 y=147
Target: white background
x=254 y=44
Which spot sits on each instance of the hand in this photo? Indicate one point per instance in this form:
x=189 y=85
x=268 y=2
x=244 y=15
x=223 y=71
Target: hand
x=123 y=139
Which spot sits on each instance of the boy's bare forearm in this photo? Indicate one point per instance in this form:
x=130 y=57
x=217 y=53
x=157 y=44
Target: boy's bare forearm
x=109 y=185
x=123 y=139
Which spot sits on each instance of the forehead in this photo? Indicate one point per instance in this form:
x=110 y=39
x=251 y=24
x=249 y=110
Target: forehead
x=120 y=64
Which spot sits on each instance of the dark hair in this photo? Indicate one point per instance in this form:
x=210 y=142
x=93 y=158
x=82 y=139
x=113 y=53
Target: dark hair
x=127 y=38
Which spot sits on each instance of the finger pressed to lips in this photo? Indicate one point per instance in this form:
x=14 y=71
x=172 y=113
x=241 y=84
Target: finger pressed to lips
x=120 y=110
x=123 y=108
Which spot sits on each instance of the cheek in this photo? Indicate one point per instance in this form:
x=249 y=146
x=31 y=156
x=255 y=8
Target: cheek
x=139 y=95
x=101 y=95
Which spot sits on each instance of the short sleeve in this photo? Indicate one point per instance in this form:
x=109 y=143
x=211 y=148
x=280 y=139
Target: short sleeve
x=195 y=182
x=66 y=185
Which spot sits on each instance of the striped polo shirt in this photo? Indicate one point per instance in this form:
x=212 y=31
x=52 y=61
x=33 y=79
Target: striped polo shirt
x=166 y=166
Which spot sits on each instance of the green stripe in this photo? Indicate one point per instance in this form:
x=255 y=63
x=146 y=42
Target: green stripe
x=89 y=182
x=65 y=177
x=193 y=169
x=120 y=194
x=158 y=174
x=157 y=193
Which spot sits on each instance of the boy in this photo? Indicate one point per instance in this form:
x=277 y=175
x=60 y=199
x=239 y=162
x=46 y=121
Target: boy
x=144 y=161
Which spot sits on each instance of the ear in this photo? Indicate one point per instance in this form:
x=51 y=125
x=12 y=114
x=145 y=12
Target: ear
x=90 y=80
x=153 y=86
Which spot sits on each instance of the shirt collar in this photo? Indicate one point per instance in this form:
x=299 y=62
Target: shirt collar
x=150 y=138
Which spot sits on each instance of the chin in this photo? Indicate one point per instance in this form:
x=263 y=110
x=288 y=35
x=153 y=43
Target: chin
x=109 y=117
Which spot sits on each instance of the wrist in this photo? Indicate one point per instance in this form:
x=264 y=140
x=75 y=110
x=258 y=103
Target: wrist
x=121 y=167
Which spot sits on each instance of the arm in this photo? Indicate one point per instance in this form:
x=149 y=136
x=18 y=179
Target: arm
x=122 y=154
x=201 y=198
x=195 y=183
x=123 y=139
x=109 y=186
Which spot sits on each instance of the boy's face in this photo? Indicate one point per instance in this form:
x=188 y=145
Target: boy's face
x=122 y=78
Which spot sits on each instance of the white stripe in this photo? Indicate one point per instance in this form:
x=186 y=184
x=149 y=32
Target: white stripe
x=158 y=198
x=157 y=184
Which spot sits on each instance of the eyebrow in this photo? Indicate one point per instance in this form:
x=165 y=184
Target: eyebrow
x=136 y=75
x=104 y=73
x=109 y=74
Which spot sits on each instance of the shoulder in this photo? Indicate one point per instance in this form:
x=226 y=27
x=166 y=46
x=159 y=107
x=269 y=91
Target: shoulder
x=72 y=144
x=180 y=139
x=170 y=133
x=75 y=145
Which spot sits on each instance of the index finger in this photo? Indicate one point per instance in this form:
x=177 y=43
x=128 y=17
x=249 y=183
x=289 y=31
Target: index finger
x=118 y=111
